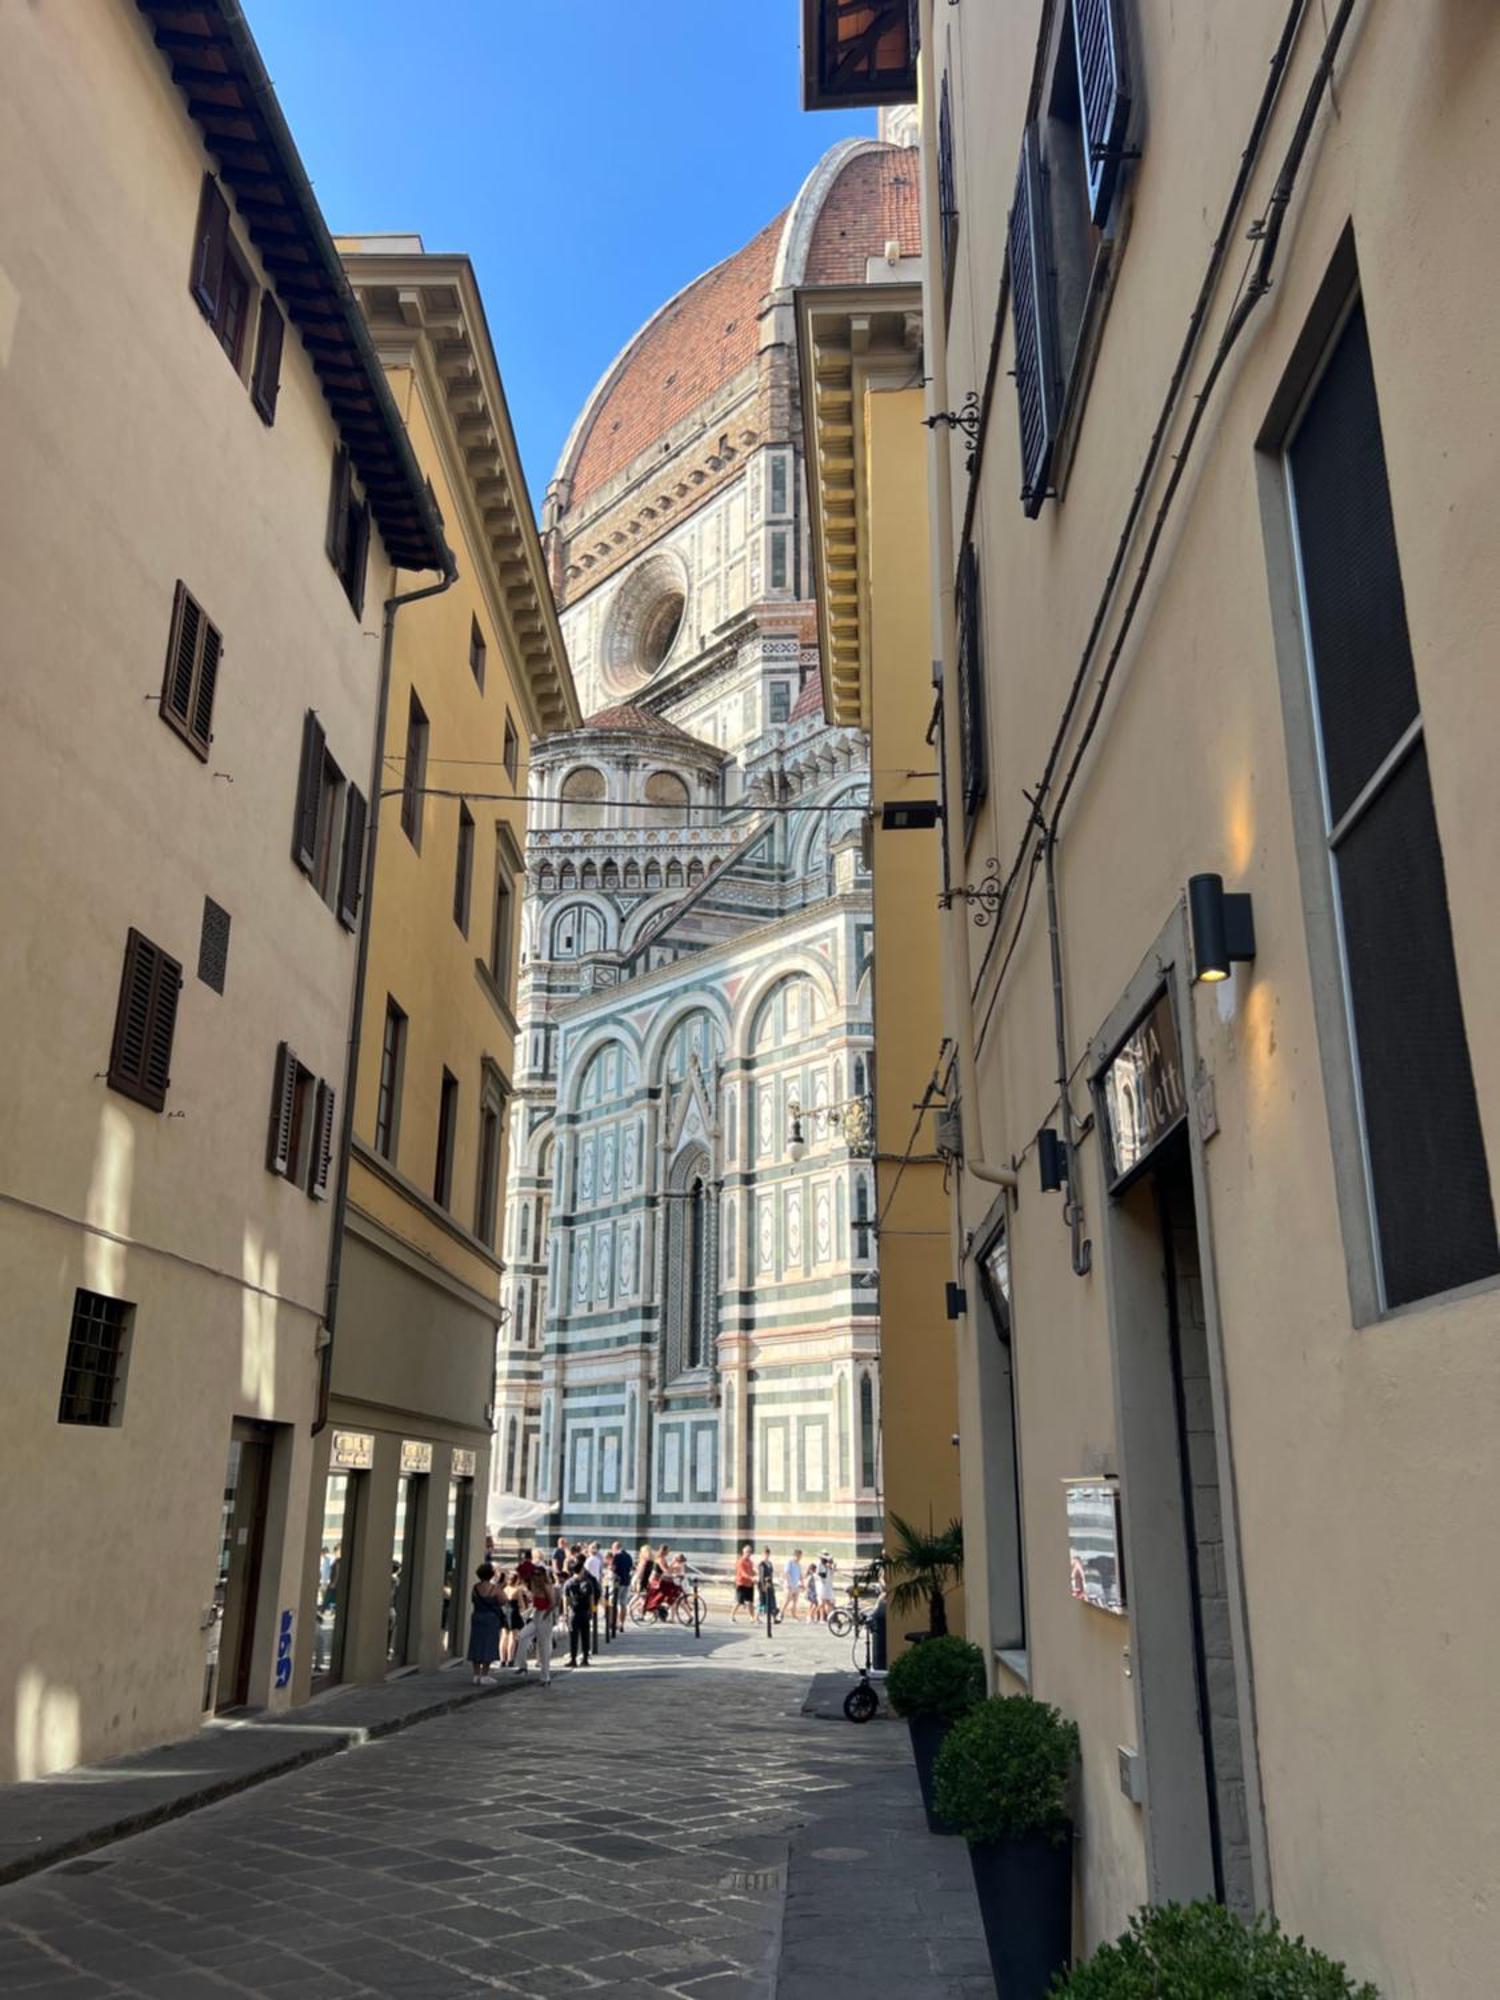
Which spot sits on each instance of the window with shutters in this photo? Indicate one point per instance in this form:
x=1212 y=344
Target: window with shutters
x=972 y=737
x=301 y=1141
x=492 y=1096
x=1431 y=1207
x=414 y=772
x=447 y=1140
x=512 y=753
x=328 y=837
x=947 y=189
x=502 y=927
x=348 y=537
x=463 y=872
x=265 y=376
x=93 y=1385
x=195 y=652
x=220 y=281
x=1063 y=231
x=392 y=1067
x=476 y=652
x=140 y=1059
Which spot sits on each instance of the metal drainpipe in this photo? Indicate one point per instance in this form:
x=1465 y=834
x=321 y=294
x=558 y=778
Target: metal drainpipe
x=1083 y=1250
x=361 y=968
x=959 y=970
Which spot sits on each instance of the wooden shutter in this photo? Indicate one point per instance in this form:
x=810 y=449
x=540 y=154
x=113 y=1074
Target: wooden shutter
x=352 y=866
x=265 y=380
x=1104 y=94
x=140 y=1062
x=1038 y=389
x=359 y=549
x=209 y=245
x=947 y=188
x=200 y=726
x=337 y=541
x=283 y=1110
x=322 y=1158
x=971 y=725
x=182 y=655
x=309 y=793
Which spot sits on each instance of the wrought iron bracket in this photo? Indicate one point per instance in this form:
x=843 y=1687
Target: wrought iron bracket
x=965 y=419
x=985 y=893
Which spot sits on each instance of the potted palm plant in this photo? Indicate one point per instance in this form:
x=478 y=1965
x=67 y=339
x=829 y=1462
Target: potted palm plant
x=1204 y=1948
x=933 y=1686
x=1003 y=1780
x=925 y=1567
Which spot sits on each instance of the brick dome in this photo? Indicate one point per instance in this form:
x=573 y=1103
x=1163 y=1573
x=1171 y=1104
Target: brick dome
x=860 y=197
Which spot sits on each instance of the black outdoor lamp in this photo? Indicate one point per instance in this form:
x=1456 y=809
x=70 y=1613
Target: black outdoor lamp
x=1223 y=927
x=1051 y=1159
x=909 y=815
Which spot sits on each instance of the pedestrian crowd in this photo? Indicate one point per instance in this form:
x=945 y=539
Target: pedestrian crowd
x=515 y=1612
x=755 y=1587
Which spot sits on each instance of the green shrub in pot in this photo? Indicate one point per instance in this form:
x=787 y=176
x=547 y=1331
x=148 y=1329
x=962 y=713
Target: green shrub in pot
x=1201 y=1951
x=943 y=1678
x=1005 y=1771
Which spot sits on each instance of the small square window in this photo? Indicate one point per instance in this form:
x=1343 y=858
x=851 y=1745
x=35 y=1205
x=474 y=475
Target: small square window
x=93 y=1389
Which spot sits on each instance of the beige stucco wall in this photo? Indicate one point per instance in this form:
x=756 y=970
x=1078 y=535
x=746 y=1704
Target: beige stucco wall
x=1359 y=1453
x=920 y=1400
x=133 y=457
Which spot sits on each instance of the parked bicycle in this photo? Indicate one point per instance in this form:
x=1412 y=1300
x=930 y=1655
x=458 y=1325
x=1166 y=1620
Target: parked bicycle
x=683 y=1601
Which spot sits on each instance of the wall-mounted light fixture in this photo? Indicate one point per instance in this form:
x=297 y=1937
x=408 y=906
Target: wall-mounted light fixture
x=851 y=1120
x=1223 y=927
x=909 y=815
x=1051 y=1159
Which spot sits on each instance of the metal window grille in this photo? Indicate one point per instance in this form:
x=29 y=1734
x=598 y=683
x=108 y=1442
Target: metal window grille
x=93 y=1385
x=213 y=945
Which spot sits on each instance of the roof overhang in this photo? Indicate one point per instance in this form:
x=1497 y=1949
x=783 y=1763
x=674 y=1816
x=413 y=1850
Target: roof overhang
x=849 y=338
x=425 y=312
x=216 y=66
x=857 y=52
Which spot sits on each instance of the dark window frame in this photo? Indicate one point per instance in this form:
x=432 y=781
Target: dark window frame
x=477 y=652
x=447 y=1140
x=392 y=1075
x=511 y=754
x=947 y=191
x=190 y=677
x=347 y=540
x=140 y=1060
x=265 y=372
x=414 y=770
x=97 y=1361
x=489 y=1174
x=974 y=774
x=502 y=924
x=463 y=869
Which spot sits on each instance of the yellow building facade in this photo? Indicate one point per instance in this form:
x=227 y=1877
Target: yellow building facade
x=860 y=357
x=475 y=673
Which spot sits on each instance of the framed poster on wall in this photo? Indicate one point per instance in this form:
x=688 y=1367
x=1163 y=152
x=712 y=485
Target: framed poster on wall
x=1096 y=1569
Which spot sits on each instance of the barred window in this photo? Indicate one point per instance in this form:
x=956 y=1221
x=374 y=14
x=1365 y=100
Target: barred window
x=93 y=1388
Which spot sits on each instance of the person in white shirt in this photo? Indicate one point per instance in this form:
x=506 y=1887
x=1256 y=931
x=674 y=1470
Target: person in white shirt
x=792 y=1580
x=823 y=1570
x=593 y=1562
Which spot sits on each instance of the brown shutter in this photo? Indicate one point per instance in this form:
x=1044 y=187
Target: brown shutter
x=309 y=787
x=208 y=248
x=140 y=1057
x=265 y=379
x=359 y=548
x=182 y=653
x=283 y=1108
x=201 y=725
x=322 y=1158
x=352 y=869
x=337 y=541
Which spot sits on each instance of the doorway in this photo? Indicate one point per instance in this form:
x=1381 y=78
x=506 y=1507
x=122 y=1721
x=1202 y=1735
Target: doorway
x=455 y=1549
x=242 y=1533
x=338 y=1562
x=406 y=1543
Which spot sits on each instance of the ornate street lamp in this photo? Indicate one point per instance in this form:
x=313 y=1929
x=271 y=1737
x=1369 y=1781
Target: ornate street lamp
x=850 y=1119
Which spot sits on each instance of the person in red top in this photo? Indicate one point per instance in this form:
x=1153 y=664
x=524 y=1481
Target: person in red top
x=744 y=1584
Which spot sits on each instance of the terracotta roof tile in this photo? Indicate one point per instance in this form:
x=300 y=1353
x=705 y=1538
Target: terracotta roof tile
x=699 y=343
x=873 y=202
x=625 y=715
x=810 y=701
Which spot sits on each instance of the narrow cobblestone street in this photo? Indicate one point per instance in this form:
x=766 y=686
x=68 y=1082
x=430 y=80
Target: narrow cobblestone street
x=669 y=1823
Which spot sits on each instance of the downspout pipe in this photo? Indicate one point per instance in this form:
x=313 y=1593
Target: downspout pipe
x=1082 y=1249
x=361 y=973
x=959 y=977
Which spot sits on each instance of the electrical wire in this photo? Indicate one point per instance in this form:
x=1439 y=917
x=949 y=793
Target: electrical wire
x=745 y=811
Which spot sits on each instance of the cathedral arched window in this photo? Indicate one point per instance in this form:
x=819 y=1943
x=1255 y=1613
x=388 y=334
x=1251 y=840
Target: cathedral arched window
x=567 y=876
x=866 y=1430
x=632 y=875
x=653 y=874
x=694 y=874
x=691 y=1286
x=666 y=800
x=610 y=876
x=583 y=796
x=511 y=1436
x=575 y=931
x=674 y=874
x=588 y=876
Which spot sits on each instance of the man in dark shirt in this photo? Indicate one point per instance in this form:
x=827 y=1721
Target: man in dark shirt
x=620 y=1567
x=580 y=1595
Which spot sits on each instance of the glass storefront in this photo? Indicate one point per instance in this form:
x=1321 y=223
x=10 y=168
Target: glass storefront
x=455 y=1542
x=406 y=1540
x=335 y=1571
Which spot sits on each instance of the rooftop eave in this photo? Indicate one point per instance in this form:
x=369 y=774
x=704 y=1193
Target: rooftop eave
x=858 y=52
x=218 y=71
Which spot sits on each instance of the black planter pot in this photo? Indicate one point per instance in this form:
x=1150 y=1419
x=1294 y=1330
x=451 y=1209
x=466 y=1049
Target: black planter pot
x=1025 y=1890
x=927 y=1733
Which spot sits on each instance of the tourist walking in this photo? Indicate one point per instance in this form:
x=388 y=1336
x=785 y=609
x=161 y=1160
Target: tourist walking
x=484 y=1623
x=766 y=1578
x=792 y=1580
x=744 y=1583
x=537 y=1631
x=826 y=1567
x=512 y=1617
x=580 y=1595
x=617 y=1573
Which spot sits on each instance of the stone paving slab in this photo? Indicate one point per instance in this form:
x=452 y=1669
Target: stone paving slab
x=75 y=1812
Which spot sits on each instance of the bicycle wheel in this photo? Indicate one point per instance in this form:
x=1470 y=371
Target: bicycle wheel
x=840 y=1623
x=682 y=1610
x=862 y=1704
x=637 y=1608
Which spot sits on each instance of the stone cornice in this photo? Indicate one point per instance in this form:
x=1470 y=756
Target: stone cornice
x=425 y=312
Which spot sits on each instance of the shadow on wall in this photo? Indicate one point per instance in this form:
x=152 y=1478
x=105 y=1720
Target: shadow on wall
x=48 y=1731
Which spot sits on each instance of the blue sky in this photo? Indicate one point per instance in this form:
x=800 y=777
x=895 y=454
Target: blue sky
x=591 y=156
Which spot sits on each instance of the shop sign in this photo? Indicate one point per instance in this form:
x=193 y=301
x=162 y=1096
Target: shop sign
x=353 y=1451
x=1096 y=1572
x=415 y=1457
x=463 y=1464
x=1142 y=1090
